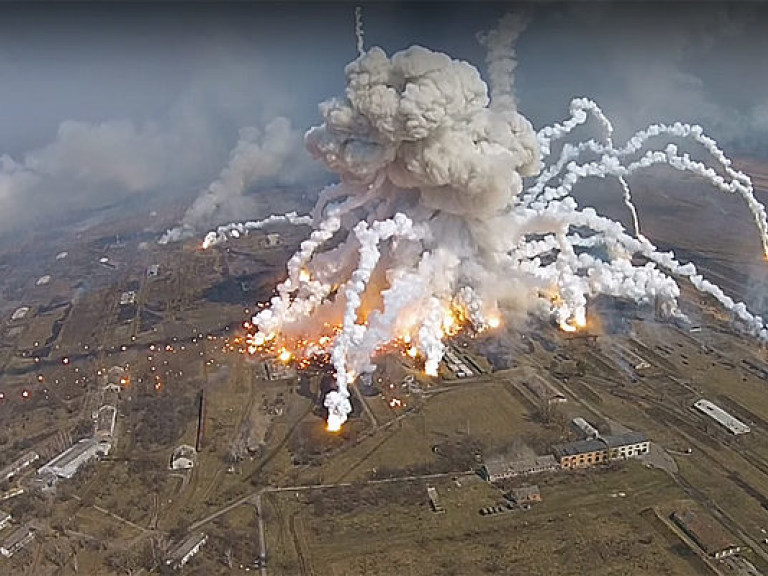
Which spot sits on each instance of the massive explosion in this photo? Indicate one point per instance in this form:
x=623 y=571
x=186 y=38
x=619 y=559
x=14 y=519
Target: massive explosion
x=438 y=230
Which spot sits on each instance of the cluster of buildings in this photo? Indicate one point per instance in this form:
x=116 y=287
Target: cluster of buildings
x=66 y=464
x=457 y=365
x=591 y=450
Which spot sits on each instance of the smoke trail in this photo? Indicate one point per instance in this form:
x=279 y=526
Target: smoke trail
x=260 y=156
x=359 y=30
x=431 y=212
x=502 y=60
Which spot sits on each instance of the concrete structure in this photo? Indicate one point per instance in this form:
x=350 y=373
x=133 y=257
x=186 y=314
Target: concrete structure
x=18 y=465
x=730 y=423
x=16 y=541
x=706 y=532
x=525 y=495
x=153 y=270
x=184 y=552
x=20 y=313
x=66 y=464
x=496 y=470
x=584 y=428
x=183 y=457
x=105 y=419
x=434 y=500
x=585 y=453
x=5 y=519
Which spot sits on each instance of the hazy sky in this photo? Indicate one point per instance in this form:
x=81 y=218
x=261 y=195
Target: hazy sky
x=100 y=101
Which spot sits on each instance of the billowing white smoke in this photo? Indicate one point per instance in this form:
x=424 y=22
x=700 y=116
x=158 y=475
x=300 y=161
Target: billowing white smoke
x=430 y=212
x=90 y=165
x=272 y=155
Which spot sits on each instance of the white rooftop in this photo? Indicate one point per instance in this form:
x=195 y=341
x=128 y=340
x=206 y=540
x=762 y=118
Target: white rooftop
x=733 y=424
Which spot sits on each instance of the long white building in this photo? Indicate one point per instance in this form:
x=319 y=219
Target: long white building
x=731 y=423
x=66 y=464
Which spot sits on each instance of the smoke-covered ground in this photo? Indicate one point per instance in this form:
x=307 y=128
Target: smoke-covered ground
x=101 y=105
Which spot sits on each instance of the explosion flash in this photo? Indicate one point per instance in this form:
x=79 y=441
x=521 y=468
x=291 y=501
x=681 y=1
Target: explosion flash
x=437 y=229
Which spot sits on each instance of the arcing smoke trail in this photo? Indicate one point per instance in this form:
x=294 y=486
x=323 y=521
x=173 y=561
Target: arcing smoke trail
x=431 y=212
x=359 y=30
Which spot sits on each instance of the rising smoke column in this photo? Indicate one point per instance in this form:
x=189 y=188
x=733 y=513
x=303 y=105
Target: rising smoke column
x=260 y=156
x=431 y=214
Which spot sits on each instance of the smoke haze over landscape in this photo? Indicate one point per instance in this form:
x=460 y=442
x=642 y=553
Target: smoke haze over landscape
x=100 y=104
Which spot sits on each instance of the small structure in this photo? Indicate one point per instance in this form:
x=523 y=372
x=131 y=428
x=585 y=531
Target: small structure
x=525 y=495
x=585 y=453
x=183 y=457
x=66 y=464
x=127 y=298
x=16 y=541
x=153 y=270
x=273 y=240
x=184 y=552
x=584 y=428
x=434 y=500
x=706 y=532
x=13 y=469
x=5 y=519
x=732 y=424
x=496 y=470
x=20 y=313
x=62 y=255
x=43 y=280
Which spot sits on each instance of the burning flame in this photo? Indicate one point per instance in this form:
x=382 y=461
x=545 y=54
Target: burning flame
x=304 y=276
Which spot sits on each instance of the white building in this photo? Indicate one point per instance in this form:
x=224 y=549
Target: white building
x=5 y=519
x=183 y=457
x=184 y=552
x=10 y=471
x=16 y=541
x=585 y=428
x=732 y=424
x=105 y=418
x=66 y=464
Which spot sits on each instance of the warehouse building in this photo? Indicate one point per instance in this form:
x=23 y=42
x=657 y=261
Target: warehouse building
x=66 y=464
x=184 y=552
x=585 y=453
x=732 y=424
x=706 y=532
x=12 y=470
x=16 y=541
x=495 y=470
x=105 y=418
